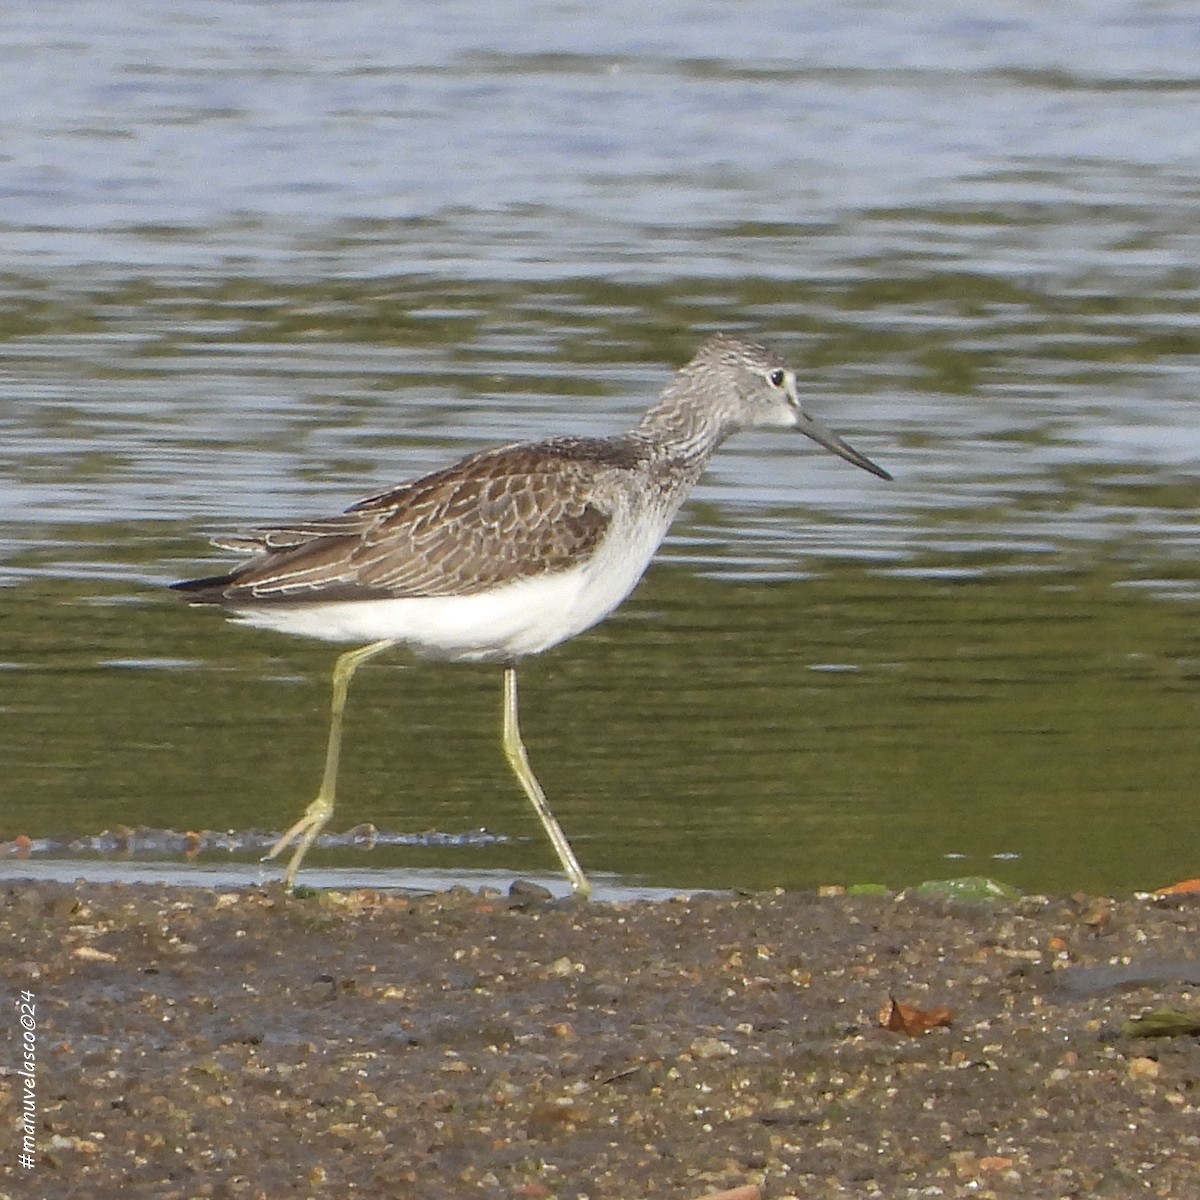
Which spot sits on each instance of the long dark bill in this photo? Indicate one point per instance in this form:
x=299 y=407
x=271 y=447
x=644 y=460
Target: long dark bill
x=823 y=436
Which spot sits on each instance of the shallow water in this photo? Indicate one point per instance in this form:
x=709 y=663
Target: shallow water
x=264 y=259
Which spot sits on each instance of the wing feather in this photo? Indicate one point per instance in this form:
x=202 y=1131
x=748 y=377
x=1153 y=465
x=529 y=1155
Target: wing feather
x=494 y=518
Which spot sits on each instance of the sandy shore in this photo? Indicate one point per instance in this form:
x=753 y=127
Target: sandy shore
x=251 y=1043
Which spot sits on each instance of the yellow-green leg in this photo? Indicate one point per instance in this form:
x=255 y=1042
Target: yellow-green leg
x=514 y=751
x=316 y=815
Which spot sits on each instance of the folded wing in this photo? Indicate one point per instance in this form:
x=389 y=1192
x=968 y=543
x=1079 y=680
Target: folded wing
x=491 y=519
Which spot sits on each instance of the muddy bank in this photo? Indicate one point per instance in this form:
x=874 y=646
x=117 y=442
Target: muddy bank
x=251 y=1043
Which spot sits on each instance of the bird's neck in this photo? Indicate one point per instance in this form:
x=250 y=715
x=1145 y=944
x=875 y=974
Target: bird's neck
x=679 y=429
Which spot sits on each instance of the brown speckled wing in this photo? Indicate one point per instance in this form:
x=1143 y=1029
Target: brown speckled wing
x=491 y=519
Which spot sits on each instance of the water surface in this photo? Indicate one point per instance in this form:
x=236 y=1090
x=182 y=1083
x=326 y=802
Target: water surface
x=262 y=259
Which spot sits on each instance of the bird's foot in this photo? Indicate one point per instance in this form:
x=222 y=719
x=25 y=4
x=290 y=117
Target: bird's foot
x=303 y=833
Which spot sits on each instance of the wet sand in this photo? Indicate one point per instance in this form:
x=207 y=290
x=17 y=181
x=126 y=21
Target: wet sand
x=231 y=1043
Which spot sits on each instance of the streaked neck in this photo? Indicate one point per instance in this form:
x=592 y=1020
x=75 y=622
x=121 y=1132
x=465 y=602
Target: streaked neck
x=683 y=427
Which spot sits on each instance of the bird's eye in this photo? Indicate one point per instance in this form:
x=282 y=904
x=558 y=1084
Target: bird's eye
x=776 y=378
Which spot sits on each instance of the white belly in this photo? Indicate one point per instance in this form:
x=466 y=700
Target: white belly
x=509 y=622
